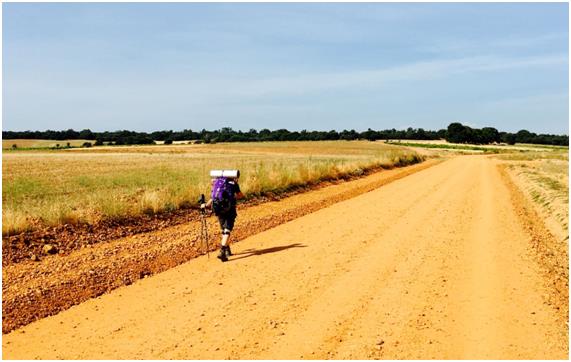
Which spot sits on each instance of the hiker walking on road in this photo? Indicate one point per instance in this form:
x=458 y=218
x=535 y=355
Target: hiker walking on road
x=225 y=192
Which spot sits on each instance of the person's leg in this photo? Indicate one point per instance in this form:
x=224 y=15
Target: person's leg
x=228 y=226
x=225 y=235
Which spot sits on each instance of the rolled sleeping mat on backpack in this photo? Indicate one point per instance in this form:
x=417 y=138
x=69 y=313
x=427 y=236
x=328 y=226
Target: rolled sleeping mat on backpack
x=225 y=173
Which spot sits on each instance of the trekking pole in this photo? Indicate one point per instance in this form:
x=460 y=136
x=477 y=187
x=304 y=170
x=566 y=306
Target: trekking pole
x=204 y=227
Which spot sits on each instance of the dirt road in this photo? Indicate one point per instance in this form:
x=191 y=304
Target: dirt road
x=435 y=265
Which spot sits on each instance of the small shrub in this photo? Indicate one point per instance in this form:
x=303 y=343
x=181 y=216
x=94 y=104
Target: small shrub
x=151 y=202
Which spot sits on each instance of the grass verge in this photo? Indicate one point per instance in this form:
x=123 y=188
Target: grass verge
x=86 y=186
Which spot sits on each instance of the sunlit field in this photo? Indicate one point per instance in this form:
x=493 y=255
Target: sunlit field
x=544 y=177
x=25 y=144
x=87 y=185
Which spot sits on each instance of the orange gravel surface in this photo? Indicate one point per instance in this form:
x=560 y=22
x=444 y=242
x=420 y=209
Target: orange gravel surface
x=434 y=265
x=34 y=290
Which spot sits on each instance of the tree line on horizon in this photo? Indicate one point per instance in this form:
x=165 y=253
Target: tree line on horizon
x=455 y=133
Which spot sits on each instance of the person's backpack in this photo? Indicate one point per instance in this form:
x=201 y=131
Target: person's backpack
x=222 y=196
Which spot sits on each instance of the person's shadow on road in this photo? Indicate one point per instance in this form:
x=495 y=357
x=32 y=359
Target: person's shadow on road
x=252 y=252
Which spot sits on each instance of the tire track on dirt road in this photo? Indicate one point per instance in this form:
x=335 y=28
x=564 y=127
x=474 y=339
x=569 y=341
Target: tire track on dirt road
x=349 y=296
x=434 y=265
x=473 y=295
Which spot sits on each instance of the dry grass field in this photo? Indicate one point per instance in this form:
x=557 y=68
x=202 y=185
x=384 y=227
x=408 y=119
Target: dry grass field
x=544 y=177
x=87 y=185
x=9 y=144
x=475 y=149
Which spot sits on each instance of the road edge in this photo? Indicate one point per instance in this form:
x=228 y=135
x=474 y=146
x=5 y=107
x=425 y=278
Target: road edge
x=551 y=255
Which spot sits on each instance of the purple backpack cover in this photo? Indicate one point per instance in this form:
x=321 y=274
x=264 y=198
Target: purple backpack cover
x=222 y=195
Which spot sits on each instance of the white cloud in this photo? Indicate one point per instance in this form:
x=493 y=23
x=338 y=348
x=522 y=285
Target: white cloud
x=197 y=88
x=363 y=79
x=158 y=96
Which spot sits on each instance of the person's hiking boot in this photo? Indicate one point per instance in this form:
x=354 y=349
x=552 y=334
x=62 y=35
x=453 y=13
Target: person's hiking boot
x=228 y=251
x=223 y=254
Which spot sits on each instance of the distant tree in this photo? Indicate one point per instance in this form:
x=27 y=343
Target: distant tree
x=562 y=140
x=168 y=141
x=86 y=144
x=457 y=133
x=14 y=146
x=66 y=135
x=332 y=135
x=421 y=134
x=264 y=133
x=490 y=135
x=524 y=136
x=509 y=138
x=475 y=136
x=86 y=134
x=370 y=135
x=410 y=134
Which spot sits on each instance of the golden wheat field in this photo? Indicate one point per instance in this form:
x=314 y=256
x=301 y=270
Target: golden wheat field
x=87 y=185
x=544 y=177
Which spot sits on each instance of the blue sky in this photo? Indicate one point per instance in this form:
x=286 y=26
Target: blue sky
x=320 y=66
